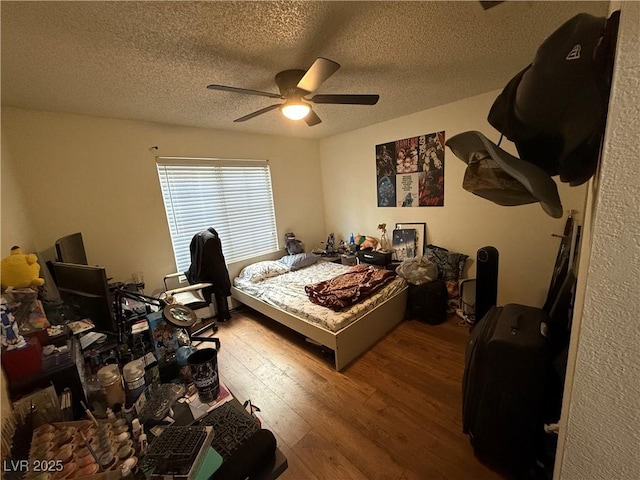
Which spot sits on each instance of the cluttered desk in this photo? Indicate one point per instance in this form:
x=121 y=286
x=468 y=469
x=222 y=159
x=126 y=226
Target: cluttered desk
x=149 y=408
x=133 y=425
x=226 y=442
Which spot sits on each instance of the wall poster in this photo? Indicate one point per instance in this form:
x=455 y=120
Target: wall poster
x=410 y=172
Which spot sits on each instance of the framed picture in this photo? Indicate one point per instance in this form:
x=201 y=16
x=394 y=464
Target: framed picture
x=421 y=234
x=403 y=242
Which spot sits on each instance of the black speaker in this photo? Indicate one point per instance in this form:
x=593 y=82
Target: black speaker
x=486 y=280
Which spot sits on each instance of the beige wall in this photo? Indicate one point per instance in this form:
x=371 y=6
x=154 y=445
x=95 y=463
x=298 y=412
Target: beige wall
x=97 y=176
x=466 y=223
x=15 y=221
x=600 y=429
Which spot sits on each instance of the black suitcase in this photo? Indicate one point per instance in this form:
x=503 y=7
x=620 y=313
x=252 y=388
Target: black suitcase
x=428 y=302
x=507 y=362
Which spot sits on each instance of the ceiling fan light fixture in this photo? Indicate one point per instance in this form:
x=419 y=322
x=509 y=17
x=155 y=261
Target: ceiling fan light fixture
x=295 y=110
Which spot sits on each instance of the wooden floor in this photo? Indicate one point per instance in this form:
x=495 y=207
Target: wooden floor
x=394 y=413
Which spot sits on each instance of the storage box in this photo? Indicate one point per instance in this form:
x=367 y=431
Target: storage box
x=24 y=361
x=374 y=258
x=45 y=339
x=348 y=259
x=57 y=359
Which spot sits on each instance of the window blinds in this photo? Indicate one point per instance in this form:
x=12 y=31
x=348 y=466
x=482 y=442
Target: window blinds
x=233 y=197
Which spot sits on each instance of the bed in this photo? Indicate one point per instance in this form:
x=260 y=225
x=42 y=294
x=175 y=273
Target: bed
x=278 y=292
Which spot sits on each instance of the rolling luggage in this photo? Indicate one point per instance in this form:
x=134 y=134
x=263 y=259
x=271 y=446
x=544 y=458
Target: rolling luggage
x=507 y=362
x=427 y=302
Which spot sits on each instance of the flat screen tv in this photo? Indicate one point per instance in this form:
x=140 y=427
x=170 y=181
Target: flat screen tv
x=70 y=249
x=84 y=288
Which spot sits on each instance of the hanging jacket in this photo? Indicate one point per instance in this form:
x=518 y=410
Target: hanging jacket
x=207 y=262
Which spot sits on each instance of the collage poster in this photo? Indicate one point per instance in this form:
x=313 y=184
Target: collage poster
x=410 y=172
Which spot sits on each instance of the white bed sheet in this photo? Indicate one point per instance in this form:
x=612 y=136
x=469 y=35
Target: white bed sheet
x=286 y=291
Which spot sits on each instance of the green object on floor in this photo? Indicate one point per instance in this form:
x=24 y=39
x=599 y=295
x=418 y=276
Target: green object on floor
x=210 y=464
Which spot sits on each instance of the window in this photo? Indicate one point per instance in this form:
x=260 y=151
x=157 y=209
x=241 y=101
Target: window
x=232 y=196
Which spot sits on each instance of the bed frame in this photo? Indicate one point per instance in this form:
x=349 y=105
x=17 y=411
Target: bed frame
x=351 y=341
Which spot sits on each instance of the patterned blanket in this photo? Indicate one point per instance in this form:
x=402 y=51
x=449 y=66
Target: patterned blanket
x=344 y=290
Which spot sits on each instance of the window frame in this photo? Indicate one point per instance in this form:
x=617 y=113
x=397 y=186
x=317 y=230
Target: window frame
x=219 y=175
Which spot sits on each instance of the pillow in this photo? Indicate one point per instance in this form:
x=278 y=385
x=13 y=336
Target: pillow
x=299 y=260
x=450 y=264
x=257 y=272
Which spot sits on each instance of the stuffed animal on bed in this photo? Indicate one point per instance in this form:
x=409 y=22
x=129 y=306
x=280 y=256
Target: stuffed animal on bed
x=292 y=244
x=366 y=242
x=20 y=270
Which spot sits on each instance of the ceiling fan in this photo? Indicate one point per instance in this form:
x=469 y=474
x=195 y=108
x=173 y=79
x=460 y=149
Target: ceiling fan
x=294 y=86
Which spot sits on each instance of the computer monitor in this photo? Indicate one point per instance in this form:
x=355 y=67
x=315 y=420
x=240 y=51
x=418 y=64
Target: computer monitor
x=70 y=249
x=85 y=289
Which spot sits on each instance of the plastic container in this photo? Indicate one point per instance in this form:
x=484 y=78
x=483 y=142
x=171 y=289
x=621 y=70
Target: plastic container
x=111 y=382
x=144 y=445
x=125 y=472
x=134 y=378
x=95 y=396
x=111 y=417
x=136 y=429
x=152 y=372
x=128 y=412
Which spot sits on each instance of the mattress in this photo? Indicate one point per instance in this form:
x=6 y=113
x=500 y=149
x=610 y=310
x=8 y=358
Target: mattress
x=286 y=291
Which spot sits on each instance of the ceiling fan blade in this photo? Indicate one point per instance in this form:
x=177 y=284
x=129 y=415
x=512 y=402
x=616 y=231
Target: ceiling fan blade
x=346 y=99
x=321 y=69
x=258 y=112
x=312 y=118
x=225 y=88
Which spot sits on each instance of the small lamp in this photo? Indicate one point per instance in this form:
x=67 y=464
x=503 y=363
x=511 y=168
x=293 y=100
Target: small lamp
x=183 y=317
x=179 y=316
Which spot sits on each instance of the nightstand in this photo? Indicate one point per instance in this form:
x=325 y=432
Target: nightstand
x=330 y=258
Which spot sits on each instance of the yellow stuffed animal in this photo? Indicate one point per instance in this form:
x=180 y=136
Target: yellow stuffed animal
x=20 y=270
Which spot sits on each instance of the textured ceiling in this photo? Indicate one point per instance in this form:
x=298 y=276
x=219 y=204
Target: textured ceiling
x=153 y=60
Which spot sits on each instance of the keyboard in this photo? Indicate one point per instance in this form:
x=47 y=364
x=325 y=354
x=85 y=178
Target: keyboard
x=231 y=428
